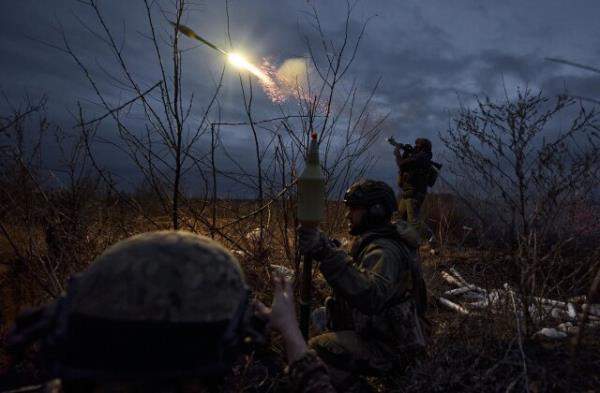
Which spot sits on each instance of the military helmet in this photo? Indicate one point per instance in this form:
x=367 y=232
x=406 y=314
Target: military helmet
x=370 y=193
x=423 y=143
x=160 y=276
x=163 y=303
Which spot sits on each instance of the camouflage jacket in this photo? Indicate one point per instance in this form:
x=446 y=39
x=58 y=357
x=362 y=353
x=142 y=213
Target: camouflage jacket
x=381 y=285
x=309 y=375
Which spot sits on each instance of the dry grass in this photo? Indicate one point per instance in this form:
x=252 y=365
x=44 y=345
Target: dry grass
x=479 y=352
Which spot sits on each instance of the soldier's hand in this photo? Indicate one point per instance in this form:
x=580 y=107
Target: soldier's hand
x=283 y=309
x=282 y=313
x=282 y=316
x=313 y=242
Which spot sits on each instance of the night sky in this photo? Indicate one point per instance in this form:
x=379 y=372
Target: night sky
x=431 y=56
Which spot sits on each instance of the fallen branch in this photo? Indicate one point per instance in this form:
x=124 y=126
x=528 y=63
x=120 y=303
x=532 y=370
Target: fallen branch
x=578 y=299
x=457 y=291
x=550 y=302
x=594 y=289
x=458 y=276
x=454 y=306
x=540 y=307
x=592 y=309
x=452 y=280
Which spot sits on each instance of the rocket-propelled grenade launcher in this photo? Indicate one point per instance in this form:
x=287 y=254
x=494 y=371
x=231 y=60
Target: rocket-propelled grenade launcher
x=408 y=148
x=311 y=204
x=311 y=187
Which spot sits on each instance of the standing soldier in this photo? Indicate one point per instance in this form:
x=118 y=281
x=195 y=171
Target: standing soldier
x=415 y=176
x=375 y=315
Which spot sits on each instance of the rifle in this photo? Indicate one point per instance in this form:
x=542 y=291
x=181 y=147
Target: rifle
x=408 y=149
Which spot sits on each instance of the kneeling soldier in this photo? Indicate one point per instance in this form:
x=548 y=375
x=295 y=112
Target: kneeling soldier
x=376 y=313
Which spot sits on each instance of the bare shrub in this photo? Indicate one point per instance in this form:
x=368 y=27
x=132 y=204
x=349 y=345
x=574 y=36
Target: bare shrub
x=52 y=220
x=531 y=173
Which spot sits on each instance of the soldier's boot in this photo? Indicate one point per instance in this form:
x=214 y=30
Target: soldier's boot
x=319 y=320
x=321 y=317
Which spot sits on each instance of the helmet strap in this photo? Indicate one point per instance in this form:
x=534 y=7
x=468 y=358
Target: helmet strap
x=232 y=333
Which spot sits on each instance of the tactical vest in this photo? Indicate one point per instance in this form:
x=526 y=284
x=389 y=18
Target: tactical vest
x=418 y=287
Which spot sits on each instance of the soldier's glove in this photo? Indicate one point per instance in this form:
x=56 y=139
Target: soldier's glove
x=313 y=242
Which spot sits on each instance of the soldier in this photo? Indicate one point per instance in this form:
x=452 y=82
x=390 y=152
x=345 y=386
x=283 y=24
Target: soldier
x=415 y=168
x=161 y=312
x=379 y=298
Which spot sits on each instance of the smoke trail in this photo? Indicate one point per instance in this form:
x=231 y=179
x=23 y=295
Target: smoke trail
x=286 y=81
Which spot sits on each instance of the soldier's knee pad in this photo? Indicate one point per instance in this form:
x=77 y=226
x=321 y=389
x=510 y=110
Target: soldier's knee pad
x=326 y=344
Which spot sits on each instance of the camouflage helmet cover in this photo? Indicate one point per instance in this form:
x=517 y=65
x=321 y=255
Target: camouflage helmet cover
x=367 y=193
x=157 y=305
x=160 y=276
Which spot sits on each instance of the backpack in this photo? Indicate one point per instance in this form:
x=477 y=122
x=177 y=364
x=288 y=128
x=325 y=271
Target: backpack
x=431 y=174
x=407 y=237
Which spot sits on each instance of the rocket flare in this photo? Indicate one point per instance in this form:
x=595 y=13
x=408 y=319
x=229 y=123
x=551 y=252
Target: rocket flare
x=267 y=77
x=233 y=58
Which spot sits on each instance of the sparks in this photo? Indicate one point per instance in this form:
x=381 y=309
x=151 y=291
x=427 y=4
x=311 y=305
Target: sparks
x=242 y=63
x=267 y=77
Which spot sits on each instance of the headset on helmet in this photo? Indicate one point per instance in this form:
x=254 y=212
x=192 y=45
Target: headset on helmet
x=376 y=196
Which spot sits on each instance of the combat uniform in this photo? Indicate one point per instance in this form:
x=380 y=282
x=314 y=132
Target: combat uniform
x=379 y=298
x=307 y=375
x=414 y=167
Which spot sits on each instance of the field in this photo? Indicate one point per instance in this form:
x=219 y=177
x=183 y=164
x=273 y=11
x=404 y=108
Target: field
x=493 y=348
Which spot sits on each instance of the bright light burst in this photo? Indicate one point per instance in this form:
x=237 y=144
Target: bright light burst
x=275 y=85
x=239 y=61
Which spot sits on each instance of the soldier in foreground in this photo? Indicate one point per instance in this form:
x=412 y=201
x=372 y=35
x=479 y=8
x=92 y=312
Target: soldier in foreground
x=416 y=174
x=376 y=313
x=161 y=312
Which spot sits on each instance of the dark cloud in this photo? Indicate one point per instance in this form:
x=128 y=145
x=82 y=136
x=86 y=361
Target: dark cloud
x=431 y=57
